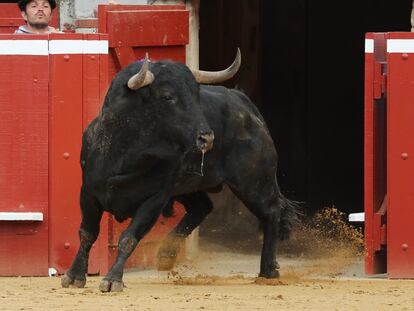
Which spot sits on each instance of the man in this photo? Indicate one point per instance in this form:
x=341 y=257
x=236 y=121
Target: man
x=37 y=14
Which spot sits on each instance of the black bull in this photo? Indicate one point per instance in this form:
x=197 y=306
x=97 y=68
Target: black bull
x=162 y=136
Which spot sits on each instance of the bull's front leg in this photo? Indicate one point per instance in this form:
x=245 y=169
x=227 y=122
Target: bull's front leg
x=142 y=222
x=88 y=233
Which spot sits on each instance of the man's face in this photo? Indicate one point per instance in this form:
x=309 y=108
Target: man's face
x=38 y=13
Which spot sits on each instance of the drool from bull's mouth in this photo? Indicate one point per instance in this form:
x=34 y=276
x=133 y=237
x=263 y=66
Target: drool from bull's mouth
x=202 y=162
x=194 y=162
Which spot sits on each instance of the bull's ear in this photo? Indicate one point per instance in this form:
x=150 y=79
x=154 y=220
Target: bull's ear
x=143 y=77
x=213 y=77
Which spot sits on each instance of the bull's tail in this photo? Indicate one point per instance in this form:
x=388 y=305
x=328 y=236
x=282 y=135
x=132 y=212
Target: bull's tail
x=289 y=216
x=290 y=212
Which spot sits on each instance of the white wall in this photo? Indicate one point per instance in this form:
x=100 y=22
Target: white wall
x=85 y=9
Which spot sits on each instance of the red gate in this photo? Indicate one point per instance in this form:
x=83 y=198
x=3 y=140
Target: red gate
x=389 y=154
x=50 y=87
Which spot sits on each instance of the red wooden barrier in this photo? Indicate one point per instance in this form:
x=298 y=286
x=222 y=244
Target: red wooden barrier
x=24 y=156
x=51 y=86
x=389 y=151
x=400 y=155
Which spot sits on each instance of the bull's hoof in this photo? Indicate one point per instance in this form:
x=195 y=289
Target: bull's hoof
x=67 y=281
x=274 y=274
x=111 y=286
x=277 y=266
x=165 y=263
x=167 y=253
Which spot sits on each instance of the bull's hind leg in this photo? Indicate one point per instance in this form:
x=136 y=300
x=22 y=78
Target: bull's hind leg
x=88 y=233
x=266 y=207
x=197 y=205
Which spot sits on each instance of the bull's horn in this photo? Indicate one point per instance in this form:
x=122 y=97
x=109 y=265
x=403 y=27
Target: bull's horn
x=143 y=77
x=212 y=77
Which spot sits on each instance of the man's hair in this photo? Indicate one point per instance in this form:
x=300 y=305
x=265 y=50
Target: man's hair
x=22 y=4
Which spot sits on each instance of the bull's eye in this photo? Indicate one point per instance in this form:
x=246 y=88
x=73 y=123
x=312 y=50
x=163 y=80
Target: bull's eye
x=167 y=98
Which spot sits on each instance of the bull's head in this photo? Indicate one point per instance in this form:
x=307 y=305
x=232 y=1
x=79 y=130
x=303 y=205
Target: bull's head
x=173 y=86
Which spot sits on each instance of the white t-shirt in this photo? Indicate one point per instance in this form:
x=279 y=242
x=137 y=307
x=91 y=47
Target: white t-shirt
x=23 y=30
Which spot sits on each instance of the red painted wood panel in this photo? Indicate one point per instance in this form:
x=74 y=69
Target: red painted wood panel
x=374 y=156
x=91 y=84
x=104 y=8
x=148 y=28
x=400 y=160
x=368 y=155
x=24 y=162
x=176 y=53
x=95 y=80
x=76 y=91
x=65 y=127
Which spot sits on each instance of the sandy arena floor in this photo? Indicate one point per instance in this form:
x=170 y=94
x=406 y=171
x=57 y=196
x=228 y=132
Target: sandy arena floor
x=220 y=280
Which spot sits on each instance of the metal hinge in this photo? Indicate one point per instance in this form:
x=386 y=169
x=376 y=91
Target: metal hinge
x=380 y=80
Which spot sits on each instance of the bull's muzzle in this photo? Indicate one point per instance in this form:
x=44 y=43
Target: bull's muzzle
x=205 y=141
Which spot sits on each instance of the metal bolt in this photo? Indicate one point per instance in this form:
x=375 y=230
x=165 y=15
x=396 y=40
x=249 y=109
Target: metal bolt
x=35 y=80
x=66 y=155
x=404 y=56
x=66 y=58
x=93 y=57
x=404 y=155
x=67 y=245
x=404 y=246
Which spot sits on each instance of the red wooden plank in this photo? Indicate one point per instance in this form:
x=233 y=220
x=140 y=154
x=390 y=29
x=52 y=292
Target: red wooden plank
x=23 y=133
x=104 y=8
x=10 y=10
x=155 y=53
x=148 y=28
x=400 y=156
x=368 y=154
x=23 y=161
x=11 y=22
x=91 y=87
x=124 y=56
x=64 y=172
x=24 y=249
x=375 y=166
x=104 y=75
x=95 y=67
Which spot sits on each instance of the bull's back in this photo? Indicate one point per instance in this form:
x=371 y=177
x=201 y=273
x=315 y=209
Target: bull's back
x=231 y=113
x=241 y=132
x=243 y=145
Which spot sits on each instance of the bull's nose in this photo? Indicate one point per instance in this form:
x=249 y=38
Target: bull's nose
x=205 y=141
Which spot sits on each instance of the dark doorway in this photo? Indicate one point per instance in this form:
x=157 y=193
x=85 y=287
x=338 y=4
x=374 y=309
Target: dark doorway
x=303 y=66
